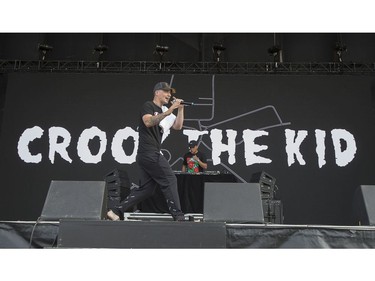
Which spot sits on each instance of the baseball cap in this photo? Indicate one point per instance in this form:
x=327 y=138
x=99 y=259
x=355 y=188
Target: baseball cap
x=192 y=143
x=163 y=86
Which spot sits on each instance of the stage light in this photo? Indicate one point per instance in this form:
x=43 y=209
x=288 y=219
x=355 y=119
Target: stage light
x=276 y=52
x=340 y=48
x=100 y=49
x=161 y=51
x=44 y=48
x=217 y=50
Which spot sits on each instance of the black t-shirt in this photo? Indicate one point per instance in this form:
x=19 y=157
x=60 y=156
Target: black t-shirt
x=149 y=138
x=192 y=166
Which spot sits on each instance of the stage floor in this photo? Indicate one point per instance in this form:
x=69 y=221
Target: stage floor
x=159 y=231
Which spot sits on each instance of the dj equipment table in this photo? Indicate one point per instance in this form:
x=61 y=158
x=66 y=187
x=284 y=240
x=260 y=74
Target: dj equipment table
x=191 y=192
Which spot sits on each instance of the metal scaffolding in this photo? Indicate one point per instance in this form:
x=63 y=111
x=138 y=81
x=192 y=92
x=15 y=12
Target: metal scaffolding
x=148 y=67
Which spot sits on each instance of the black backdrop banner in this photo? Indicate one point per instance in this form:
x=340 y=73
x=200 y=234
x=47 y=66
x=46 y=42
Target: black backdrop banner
x=314 y=134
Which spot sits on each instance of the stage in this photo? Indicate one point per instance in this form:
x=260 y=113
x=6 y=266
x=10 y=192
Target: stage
x=159 y=231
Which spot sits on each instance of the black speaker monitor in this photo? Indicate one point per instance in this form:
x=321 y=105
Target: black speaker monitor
x=233 y=202
x=364 y=205
x=75 y=200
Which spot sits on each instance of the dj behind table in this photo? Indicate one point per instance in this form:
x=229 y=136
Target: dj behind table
x=190 y=189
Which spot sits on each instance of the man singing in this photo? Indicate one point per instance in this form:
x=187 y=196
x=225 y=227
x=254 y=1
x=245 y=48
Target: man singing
x=154 y=168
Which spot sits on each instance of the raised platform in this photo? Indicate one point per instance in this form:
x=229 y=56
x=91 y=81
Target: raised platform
x=141 y=234
x=159 y=231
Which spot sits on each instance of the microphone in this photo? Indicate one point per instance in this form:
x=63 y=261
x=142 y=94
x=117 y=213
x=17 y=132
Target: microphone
x=187 y=103
x=183 y=102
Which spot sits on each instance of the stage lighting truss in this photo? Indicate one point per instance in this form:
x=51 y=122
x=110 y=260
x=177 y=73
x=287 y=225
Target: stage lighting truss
x=8 y=66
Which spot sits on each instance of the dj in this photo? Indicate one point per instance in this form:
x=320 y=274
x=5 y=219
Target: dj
x=194 y=161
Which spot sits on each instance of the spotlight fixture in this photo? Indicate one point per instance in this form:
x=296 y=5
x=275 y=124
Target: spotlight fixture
x=100 y=49
x=44 y=48
x=276 y=52
x=339 y=50
x=161 y=51
x=217 y=50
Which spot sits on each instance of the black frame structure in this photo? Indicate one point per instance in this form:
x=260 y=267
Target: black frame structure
x=7 y=66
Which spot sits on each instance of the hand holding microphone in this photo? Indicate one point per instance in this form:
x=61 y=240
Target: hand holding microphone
x=174 y=99
x=186 y=103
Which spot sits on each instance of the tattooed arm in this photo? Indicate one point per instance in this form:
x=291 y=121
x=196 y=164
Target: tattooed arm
x=153 y=120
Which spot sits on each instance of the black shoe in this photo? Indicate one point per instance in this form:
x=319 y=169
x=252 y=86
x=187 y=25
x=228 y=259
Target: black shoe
x=179 y=218
x=119 y=210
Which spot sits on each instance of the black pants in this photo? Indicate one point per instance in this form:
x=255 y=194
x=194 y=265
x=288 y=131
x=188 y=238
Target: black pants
x=155 y=171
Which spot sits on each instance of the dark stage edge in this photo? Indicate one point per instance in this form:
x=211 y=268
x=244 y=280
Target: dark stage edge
x=159 y=234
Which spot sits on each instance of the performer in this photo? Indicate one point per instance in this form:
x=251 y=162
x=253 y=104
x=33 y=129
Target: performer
x=194 y=161
x=155 y=171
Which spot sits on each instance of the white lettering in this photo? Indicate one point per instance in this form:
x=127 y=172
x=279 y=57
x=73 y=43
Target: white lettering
x=250 y=147
x=59 y=140
x=194 y=134
x=83 y=149
x=343 y=157
x=28 y=136
x=320 y=147
x=292 y=146
x=218 y=147
x=118 y=152
x=60 y=148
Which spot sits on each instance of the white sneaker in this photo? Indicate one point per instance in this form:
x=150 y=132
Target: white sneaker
x=112 y=216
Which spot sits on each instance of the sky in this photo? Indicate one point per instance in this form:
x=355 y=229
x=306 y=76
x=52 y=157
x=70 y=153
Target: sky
x=186 y=16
